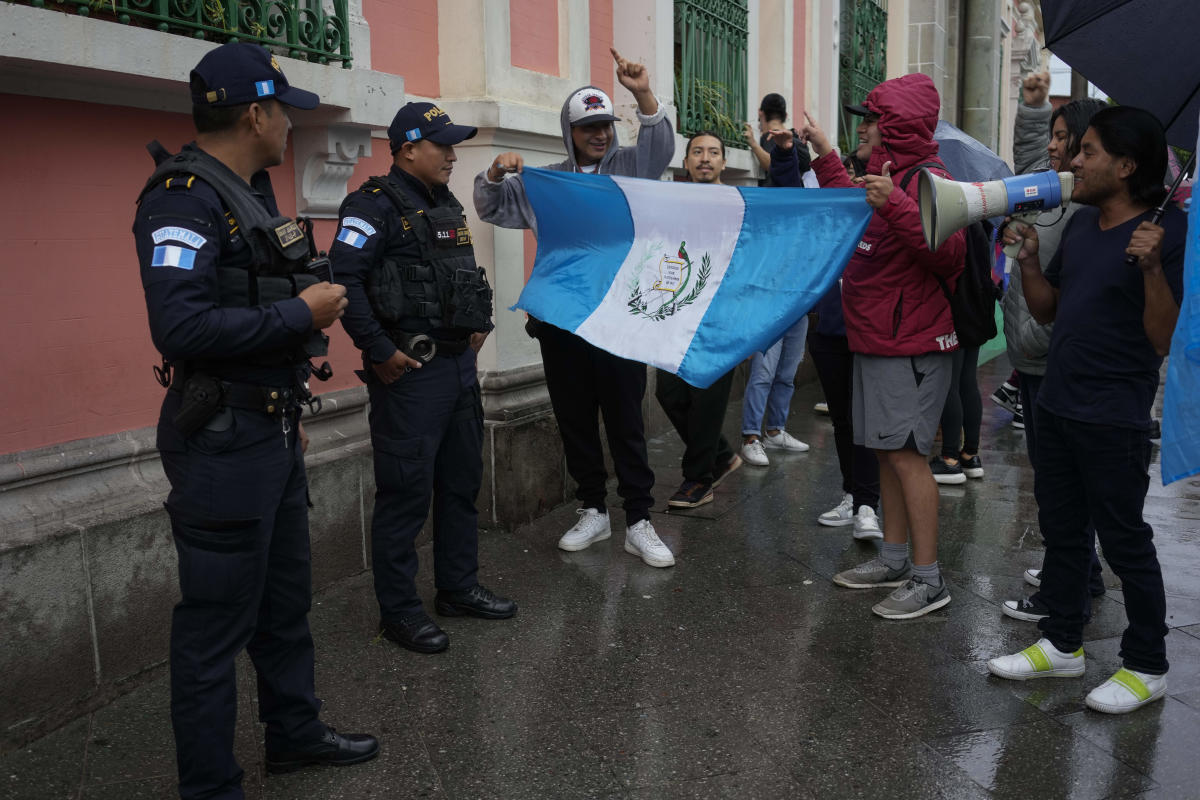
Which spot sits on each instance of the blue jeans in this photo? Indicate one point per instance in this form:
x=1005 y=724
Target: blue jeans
x=770 y=386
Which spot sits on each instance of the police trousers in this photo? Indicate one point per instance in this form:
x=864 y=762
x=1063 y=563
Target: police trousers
x=239 y=515
x=427 y=433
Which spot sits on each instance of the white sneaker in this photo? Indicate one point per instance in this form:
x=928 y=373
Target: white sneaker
x=641 y=540
x=839 y=515
x=1033 y=577
x=1125 y=691
x=753 y=453
x=1041 y=660
x=593 y=526
x=784 y=441
x=821 y=408
x=866 y=524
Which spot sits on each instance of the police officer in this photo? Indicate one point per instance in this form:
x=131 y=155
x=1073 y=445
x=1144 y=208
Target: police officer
x=420 y=309
x=236 y=314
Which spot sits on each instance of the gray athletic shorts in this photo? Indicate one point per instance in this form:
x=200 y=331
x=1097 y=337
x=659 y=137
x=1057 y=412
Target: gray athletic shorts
x=898 y=400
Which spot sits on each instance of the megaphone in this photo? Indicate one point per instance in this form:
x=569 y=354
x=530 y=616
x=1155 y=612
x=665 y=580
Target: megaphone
x=946 y=206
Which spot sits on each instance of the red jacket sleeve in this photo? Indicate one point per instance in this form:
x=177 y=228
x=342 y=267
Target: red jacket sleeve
x=904 y=222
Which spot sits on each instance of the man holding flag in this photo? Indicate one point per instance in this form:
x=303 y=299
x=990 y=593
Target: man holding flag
x=584 y=380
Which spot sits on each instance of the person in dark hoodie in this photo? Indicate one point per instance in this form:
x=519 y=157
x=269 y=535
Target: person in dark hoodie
x=583 y=380
x=899 y=326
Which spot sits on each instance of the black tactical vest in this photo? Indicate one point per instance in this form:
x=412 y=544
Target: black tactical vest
x=445 y=288
x=280 y=255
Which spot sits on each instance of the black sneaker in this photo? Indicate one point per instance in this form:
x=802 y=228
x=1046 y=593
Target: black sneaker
x=1007 y=397
x=1019 y=418
x=946 y=473
x=691 y=494
x=972 y=467
x=1029 y=609
x=1156 y=431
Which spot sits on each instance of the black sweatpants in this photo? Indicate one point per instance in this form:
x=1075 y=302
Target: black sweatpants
x=698 y=415
x=835 y=369
x=585 y=382
x=962 y=415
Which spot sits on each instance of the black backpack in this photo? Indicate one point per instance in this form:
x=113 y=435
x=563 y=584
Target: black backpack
x=973 y=302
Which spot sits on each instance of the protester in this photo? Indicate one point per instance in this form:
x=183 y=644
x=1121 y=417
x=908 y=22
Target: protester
x=1113 y=325
x=962 y=417
x=582 y=379
x=1043 y=138
x=699 y=414
x=899 y=325
x=835 y=369
x=772 y=117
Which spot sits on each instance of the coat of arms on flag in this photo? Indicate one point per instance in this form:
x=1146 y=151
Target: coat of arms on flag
x=675 y=275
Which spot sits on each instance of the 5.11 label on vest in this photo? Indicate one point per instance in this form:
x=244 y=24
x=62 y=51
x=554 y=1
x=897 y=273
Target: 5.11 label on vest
x=453 y=235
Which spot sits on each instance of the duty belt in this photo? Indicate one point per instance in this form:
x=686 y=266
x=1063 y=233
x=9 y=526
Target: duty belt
x=251 y=396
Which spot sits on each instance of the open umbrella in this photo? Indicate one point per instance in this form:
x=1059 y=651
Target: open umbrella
x=1140 y=52
x=966 y=157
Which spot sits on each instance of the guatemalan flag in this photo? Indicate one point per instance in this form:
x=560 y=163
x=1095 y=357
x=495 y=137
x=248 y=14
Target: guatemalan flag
x=688 y=277
x=1181 y=409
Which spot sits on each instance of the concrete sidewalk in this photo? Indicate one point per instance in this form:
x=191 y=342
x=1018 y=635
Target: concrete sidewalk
x=741 y=672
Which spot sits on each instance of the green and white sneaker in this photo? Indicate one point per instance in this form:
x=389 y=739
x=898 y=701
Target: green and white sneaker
x=1041 y=660
x=1126 y=691
x=873 y=574
x=913 y=599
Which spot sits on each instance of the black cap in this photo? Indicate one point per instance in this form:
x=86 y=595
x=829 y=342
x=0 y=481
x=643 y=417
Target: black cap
x=240 y=72
x=858 y=110
x=416 y=121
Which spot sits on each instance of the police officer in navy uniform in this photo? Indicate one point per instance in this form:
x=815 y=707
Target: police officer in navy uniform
x=420 y=309
x=236 y=313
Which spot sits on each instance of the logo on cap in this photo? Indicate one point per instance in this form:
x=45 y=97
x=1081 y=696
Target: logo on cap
x=265 y=88
x=413 y=134
x=275 y=65
x=593 y=102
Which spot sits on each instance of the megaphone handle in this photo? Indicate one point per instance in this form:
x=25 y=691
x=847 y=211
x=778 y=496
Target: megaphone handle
x=1028 y=218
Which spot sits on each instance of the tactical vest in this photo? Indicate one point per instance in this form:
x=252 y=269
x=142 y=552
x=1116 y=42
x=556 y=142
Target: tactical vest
x=280 y=256
x=445 y=288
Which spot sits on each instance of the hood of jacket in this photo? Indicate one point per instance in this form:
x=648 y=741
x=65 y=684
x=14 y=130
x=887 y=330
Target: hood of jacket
x=908 y=109
x=565 y=121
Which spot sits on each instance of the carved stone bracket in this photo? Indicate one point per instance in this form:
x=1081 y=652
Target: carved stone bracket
x=325 y=159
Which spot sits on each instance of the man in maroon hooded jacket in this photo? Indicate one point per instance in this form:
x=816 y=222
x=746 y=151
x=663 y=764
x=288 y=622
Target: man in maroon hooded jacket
x=899 y=326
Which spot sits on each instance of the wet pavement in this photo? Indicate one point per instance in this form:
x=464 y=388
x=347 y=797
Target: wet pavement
x=741 y=672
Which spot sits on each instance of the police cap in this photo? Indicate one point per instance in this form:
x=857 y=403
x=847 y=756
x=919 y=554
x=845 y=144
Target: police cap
x=240 y=72
x=416 y=121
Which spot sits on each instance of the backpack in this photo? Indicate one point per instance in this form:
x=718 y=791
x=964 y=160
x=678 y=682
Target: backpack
x=973 y=302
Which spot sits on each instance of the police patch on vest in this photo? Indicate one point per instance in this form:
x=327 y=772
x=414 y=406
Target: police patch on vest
x=405 y=224
x=360 y=224
x=190 y=238
x=446 y=234
x=288 y=233
x=464 y=235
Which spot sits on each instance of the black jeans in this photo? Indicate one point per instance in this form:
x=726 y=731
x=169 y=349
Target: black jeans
x=962 y=415
x=1029 y=385
x=698 y=415
x=585 y=382
x=835 y=369
x=427 y=432
x=1098 y=473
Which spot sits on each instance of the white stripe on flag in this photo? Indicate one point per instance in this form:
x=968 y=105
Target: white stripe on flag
x=660 y=276
x=352 y=238
x=169 y=255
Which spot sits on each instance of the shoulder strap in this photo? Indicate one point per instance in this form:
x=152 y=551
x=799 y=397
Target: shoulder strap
x=384 y=184
x=908 y=176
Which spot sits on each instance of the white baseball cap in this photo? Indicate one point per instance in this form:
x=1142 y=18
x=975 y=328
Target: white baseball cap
x=589 y=105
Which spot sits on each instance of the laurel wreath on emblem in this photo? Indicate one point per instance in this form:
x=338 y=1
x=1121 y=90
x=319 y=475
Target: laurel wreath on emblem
x=640 y=306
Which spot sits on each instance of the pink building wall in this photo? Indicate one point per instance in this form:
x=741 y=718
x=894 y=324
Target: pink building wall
x=533 y=33
x=404 y=41
x=78 y=356
x=798 y=101
x=600 y=17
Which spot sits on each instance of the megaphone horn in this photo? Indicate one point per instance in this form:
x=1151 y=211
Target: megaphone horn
x=946 y=206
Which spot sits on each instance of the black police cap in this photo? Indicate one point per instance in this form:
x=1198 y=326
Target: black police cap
x=240 y=72
x=416 y=121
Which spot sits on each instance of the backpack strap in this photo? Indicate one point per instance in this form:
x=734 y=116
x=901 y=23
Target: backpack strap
x=908 y=176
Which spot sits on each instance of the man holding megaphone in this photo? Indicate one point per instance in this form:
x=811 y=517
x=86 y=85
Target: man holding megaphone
x=1113 y=321
x=900 y=328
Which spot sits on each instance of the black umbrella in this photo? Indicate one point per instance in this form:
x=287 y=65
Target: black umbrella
x=1140 y=52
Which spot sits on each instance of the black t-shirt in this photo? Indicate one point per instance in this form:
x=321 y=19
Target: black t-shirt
x=801 y=151
x=1101 y=367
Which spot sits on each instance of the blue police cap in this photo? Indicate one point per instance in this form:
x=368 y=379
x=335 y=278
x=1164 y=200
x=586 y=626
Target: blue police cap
x=240 y=72
x=416 y=121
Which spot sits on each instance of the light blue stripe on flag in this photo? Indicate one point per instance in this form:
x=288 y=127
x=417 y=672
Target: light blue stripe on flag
x=265 y=88
x=686 y=277
x=352 y=238
x=168 y=255
x=1181 y=398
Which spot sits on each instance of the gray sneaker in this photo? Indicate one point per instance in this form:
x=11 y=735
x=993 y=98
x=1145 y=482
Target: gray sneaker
x=913 y=599
x=872 y=574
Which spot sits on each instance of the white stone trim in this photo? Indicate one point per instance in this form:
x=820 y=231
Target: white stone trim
x=324 y=159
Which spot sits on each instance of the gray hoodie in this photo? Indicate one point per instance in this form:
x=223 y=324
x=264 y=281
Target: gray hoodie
x=504 y=203
x=1029 y=342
